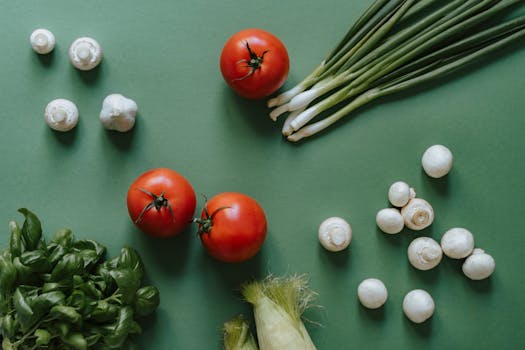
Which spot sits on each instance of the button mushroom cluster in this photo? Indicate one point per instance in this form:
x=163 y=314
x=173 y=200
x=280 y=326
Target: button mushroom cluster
x=414 y=213
x=458 y=243
x=424 y=253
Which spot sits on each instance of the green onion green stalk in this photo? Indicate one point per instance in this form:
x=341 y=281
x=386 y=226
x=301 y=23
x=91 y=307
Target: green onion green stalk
x=395 y=45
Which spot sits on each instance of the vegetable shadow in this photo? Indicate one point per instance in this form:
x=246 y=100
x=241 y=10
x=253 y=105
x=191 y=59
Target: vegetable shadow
x=47 y=59
x=170 y=255
x=396 y=239
x=339 y=259
x=89 y=77
x=66 y=138
x=123 y=141
x=232 y=275
x=423 y=330
x=428 y=277
x=482 y=286
x=440 y=186
x=241 y=111
x=375 y=315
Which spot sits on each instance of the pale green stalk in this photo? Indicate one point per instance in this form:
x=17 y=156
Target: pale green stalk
x=237 y=335
x=278 y=304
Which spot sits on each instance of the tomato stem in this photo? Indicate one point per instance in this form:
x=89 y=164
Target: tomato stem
x=254 y=63
x=158 y=203
x=206 y=223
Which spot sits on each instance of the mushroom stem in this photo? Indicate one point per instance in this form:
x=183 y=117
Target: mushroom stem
x=84 y=52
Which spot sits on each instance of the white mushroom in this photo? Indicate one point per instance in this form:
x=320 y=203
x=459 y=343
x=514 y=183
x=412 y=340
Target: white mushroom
x=424 y=253
x=335 y=234
x=418 y=214
x=389 y=220
x=372 y=293
x=400 y=193
x=42 y=41
x=437 y=161
x=61 y=115
x=118 y=113
x=457 y=243
x=418 y=306
x=479 y=265
x=85 y=53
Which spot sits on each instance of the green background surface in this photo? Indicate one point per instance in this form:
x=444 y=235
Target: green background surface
x=164 y=55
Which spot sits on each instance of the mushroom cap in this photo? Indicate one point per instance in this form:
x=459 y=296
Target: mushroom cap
x=418 y=214
x=118 y=113
x=457 y=243
x=61 y=115
x=479 y=265
x=85 y=53
x=437 y=161
x=400 y=193
x=372 y=293
x=418 y=306
x=42 y=41
x=389 y=220
x=335 y=234
x=424 y=253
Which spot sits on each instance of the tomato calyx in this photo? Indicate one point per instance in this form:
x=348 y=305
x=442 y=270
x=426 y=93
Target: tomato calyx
x=254 y=63
x=158 y=202
x=206 y=223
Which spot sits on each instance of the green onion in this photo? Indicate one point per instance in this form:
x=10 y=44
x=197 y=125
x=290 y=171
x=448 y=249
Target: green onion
x=395 y=45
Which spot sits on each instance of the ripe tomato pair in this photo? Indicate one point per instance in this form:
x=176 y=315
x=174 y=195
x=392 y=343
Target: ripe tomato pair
x=254 y=63
x=232 y=226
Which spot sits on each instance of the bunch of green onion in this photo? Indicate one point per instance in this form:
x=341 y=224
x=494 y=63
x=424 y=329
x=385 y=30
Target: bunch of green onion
x=393 y=46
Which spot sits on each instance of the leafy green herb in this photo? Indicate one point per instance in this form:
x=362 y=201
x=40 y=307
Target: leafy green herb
x=65 y=294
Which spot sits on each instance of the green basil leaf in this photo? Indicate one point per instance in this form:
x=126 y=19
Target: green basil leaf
x=135 y=328
x=128 y=282
x=61 y=286
x=104 y=280
x=37 y=260
x=130 y=259
x=56 y=253
x=15 y=240
x=24 y=313
x=61 y=328
x=89 y=257
x=8 y=275
x=65 y=313
x=42 y=337
x=89 y=288
x=24 y=274
x=63 y=237
x=31 y=229
x=122 y=328
x=147 y=300
x=93 y=339
x=88 y=244
x=80 y=302
x=8 y=326
x=76 y=341
x=53 y=298
x=104 y=311
x=7 y=345
x=70 y=264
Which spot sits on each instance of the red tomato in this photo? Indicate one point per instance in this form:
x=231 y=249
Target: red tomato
x=254 y=63
x=232 y=227
x=161 y=202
